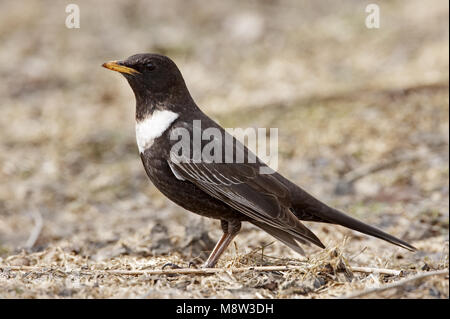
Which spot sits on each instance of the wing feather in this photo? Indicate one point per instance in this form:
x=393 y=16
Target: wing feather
x=259 y=196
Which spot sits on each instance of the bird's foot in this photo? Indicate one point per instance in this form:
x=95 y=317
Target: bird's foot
x=175 y=266
x=171 y=265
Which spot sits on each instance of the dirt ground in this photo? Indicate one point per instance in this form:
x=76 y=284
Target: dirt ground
x=363 y=120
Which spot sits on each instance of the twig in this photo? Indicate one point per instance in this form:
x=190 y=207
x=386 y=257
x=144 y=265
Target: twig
x=396 y=284
x=259 y=248
x=369 y=270
x=357 y=254
x=203 y=271
x=36 y=231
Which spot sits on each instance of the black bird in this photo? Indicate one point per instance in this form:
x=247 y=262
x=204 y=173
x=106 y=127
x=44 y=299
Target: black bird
x=231 y=191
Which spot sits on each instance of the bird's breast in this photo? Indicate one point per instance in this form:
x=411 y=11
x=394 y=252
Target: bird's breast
x=152 y=127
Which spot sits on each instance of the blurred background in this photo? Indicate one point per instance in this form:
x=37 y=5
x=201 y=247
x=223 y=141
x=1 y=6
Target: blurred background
x=362 y=114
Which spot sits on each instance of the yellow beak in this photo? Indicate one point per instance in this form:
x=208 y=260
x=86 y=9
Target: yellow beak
x=113 y=65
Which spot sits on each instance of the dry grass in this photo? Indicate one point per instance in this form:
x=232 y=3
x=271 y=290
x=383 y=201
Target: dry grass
x=77 y=211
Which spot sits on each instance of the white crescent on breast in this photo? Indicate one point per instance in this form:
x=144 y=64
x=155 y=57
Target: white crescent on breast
x=153 y=127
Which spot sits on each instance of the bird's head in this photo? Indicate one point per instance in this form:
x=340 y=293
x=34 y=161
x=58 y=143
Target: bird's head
x=154 y=78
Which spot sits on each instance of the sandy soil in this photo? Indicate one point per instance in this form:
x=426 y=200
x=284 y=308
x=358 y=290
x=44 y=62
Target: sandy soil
x=363 y=119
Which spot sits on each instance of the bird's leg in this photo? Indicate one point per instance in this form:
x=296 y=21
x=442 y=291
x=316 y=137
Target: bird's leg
x=230 y=230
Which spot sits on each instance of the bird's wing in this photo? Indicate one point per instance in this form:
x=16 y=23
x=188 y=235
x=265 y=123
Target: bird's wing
x=241 y=186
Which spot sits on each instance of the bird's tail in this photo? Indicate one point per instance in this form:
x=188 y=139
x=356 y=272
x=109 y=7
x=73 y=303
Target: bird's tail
x=307 y=207
x=333 y=216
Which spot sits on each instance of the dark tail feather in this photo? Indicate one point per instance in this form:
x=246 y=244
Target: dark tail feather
x=308 y=208
x=334 y=216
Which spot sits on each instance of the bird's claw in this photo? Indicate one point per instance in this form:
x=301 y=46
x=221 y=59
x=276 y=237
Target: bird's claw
x=172 y=265
x=175 y=266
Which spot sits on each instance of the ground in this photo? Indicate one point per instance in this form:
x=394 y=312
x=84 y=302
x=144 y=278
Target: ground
x=363 y=124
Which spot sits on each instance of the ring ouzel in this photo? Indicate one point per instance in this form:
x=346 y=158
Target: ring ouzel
x=229 y=190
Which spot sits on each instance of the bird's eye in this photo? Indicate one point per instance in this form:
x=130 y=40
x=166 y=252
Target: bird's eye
x=149 y=66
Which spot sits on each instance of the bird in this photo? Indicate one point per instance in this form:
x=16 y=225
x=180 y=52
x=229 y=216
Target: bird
x=227 y=190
